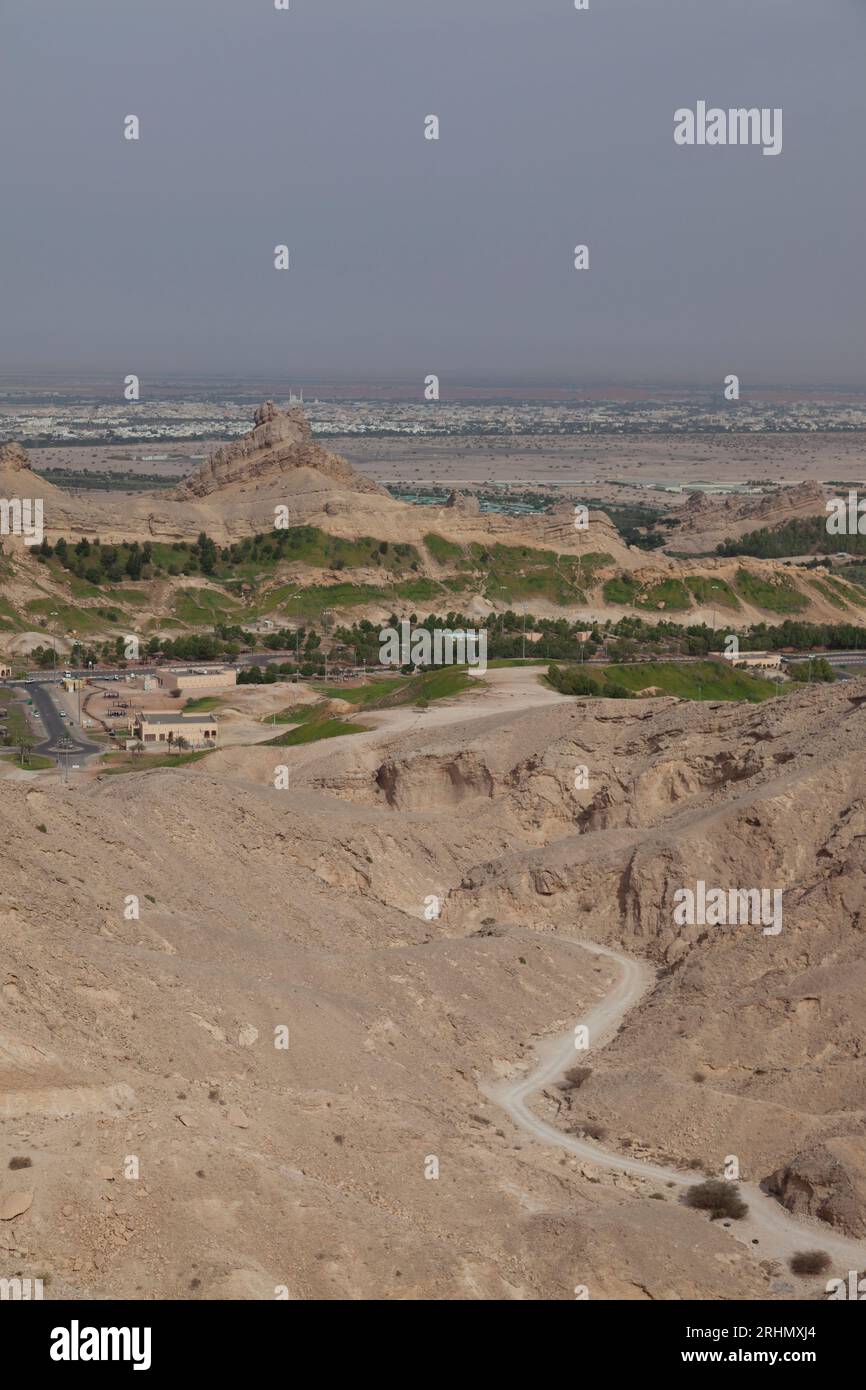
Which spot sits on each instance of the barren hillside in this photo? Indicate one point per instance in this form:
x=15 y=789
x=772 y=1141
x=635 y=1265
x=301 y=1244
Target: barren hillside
x=152 y=1038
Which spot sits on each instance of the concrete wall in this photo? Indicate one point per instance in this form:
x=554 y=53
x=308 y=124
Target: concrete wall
x=184 y=681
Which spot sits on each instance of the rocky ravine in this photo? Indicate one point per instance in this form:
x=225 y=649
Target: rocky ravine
x=300 y=915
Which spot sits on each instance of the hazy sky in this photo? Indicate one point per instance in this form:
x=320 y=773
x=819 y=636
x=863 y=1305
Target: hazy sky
x=410 y=256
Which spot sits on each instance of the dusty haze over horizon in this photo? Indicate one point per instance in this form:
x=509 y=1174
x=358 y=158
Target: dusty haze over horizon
x=409 y=256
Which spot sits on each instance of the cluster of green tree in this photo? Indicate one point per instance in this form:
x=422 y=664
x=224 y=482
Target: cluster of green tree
x=836 y=637
x=560 y=640
x=284 y=639
x=269 y=675
x=636 y=524
x=192 y=648
x=817 y=668
x=505 y=634
x=98 y=563
x=622 y=639
x=308 y=542
x=43 y=657
x=799 y=536
x=226 y=643
x=97 y=480
x=632 y=635
x=574 y=681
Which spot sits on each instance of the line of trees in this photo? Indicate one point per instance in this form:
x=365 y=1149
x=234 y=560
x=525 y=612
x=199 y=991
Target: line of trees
x=799 y=536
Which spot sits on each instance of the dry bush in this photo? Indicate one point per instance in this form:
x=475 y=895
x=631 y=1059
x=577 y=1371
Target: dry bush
x=588 y=1129
x=719 y=1198
x=574 y=1078
x=809 y=1262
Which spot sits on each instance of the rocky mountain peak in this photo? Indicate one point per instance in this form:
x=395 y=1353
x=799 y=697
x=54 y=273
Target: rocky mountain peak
x=13 y=459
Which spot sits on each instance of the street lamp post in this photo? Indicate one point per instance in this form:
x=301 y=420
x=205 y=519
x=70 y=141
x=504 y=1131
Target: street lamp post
x=297 y=629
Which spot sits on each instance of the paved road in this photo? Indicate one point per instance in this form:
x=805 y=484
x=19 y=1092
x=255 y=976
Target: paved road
x=56 y=729
x=856 y=658
x=767 y=1231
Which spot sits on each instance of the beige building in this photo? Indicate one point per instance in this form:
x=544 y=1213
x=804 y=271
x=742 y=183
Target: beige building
x=761 y=661
x=160 y=731
x=5 y=671
x=195 y=678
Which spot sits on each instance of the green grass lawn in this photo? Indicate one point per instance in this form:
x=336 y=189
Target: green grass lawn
x=700 y=680
x=712 y=592
x=311 y=546
x=520 y=572
x=707 y=680
x=15 y=719
x=294 y=714
x=622 y=589
x=776 y=596
x=353 y=694
x=202 y=705
x=312 y=602
x=203 y=607
x=80 y=588
x=312 y=723
x=839 y=592
x=391 y=691
x=35 y=763
x=134 y=596
x=444 y=552
x=68 y=617
x=8 y=615
x=823 y=587
x=669 y=595
x=313 y=730
x=421 y=590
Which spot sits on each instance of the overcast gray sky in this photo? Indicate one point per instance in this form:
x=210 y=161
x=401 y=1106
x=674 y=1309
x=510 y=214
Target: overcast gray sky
x=409 y=256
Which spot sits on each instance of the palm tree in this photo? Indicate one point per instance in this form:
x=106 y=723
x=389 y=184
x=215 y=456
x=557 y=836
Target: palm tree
x=25 y=747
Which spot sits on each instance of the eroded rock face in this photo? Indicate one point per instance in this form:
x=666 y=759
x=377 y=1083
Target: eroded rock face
x=707 y=522
x=828 y=1182
x=13 y=459
x=281 y=441
x=434 y=781
x=463 y=501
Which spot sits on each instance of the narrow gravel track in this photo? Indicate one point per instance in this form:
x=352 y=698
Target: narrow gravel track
x=768 y=1231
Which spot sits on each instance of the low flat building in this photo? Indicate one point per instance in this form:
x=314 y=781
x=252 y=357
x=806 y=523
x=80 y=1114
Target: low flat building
x=158 y=731
x=197 y=678
x=762 y=661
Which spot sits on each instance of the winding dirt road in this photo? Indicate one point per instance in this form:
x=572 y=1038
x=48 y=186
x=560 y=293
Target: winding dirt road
x=768 y=1231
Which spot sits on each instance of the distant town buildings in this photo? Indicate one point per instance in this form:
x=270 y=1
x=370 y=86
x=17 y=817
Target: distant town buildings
x=166 y=421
